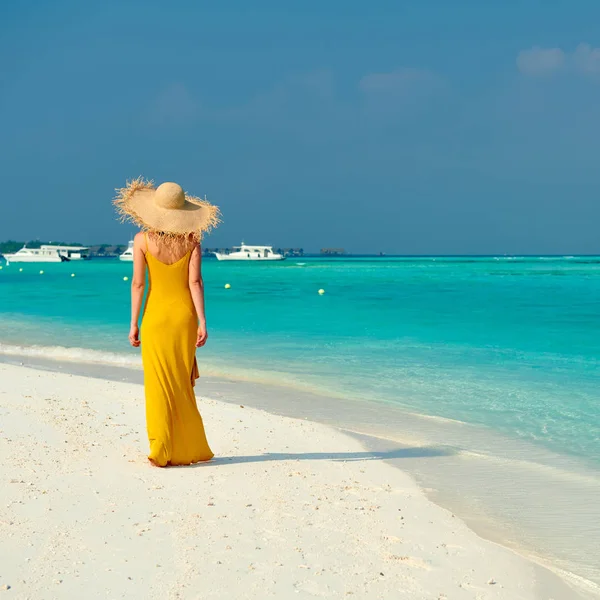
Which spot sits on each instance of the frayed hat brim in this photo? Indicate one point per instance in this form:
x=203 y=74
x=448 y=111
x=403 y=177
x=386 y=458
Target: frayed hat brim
x=135 y=203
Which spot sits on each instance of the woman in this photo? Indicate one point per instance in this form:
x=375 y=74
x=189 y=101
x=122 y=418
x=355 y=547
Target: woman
x=173 y=323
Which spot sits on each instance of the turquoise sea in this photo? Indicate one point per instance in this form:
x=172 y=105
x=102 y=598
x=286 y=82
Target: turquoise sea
x=505 y=347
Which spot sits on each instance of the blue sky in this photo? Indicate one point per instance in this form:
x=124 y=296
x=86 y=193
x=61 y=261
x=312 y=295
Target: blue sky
x=404 y=127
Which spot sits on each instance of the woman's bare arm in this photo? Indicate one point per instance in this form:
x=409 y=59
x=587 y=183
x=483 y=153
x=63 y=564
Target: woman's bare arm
x=197 y=291
x=138 y=283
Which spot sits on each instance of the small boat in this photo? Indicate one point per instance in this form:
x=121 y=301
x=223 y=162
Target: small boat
x=255 y=253
x=127 y=256
x=43 y=254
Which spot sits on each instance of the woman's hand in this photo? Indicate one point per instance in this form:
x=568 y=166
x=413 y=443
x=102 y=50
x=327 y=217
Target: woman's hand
x=202 y=335
x=134 y=336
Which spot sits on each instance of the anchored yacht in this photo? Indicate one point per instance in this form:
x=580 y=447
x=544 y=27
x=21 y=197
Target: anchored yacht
x=245 y=252
x=127 y=256
x=48 y=253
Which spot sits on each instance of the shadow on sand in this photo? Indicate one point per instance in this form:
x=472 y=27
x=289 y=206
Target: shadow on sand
x=419 y=452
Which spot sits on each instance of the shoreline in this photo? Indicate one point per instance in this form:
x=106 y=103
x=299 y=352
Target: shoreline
x=232 y=392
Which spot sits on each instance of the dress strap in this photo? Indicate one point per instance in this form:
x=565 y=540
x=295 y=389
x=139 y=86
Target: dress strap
x=146 y=238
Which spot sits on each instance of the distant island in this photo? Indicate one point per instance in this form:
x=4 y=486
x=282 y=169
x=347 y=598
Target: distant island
x=99 y=250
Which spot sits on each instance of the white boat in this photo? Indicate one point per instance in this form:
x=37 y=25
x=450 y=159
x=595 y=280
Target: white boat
x=48 y=253
x=34 y=255
x=127 y=256
x=245 y=252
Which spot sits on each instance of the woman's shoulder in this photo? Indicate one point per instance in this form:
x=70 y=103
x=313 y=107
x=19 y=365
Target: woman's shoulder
x=139 y=240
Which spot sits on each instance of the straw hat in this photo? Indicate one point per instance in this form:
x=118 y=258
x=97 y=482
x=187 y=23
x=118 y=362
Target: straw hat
x=166 y=210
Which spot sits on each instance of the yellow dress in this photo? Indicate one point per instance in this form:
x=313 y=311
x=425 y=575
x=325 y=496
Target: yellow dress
x=168 y=336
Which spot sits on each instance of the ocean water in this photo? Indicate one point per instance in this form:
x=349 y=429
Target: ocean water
x=505 y=348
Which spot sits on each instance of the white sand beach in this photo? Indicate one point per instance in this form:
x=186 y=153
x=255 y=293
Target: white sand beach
x=287 y=509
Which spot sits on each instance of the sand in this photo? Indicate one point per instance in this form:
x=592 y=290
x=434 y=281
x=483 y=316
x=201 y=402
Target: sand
x=287 y=509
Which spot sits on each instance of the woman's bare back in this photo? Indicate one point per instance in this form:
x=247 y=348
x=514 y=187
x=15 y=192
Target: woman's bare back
x=168 y=253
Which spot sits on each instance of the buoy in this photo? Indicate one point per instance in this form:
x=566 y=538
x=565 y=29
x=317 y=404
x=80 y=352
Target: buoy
x=1 y=267
x=21 y=270
x=41 y=272
x=321 y=292
x=72 y=274
x=227 y=286
x=125 y=278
